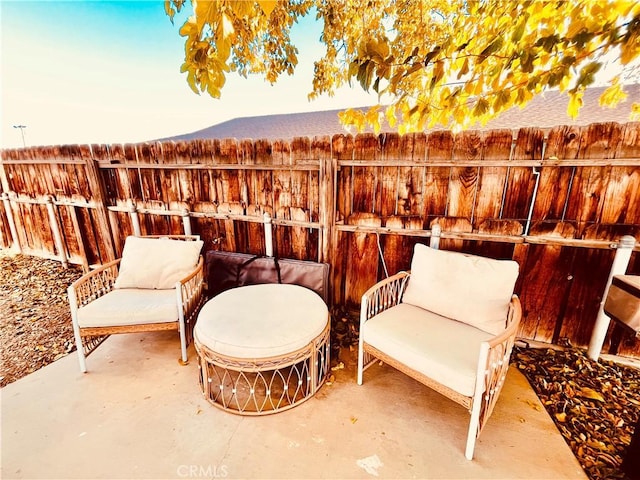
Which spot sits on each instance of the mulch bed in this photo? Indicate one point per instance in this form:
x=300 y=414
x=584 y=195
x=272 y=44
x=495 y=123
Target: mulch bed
x=35 y=325
x=595 y=405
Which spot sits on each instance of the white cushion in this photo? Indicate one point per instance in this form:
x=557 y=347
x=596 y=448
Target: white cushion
x=444 y=350
x=156 y=262
x=467 y=288
x=130 y=307
x=260 y=321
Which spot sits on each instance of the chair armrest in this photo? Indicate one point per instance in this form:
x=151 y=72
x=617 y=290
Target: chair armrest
x=93 y=285
x=513 y=321
x=191 y=288
x=494 y=362
x=383 y=295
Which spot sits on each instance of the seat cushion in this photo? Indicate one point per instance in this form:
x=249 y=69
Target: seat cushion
x=443 y=349
x=470 y=289
x=130 y=307
x=156 y=262
x=260 y=321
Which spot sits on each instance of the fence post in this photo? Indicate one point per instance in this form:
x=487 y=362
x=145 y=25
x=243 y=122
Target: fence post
x=135 y=219
x=619 y=267
x=436 y=232
x=327 y=200
x=12 y=224
x=55 y=229
x=268 y=235
x=98 y=195
x=186 y=221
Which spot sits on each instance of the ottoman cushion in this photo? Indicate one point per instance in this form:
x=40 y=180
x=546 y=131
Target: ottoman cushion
x=261 y=321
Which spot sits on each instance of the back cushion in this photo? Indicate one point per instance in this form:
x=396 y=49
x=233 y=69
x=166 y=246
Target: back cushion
x=156 y=263
x=471 y=289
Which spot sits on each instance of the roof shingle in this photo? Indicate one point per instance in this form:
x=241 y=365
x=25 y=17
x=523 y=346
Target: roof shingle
x=544 y=111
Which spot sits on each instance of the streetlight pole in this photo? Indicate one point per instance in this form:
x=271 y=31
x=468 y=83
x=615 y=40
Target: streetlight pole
x=21 y=127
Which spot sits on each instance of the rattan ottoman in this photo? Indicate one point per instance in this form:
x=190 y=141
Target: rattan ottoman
x=262 y=348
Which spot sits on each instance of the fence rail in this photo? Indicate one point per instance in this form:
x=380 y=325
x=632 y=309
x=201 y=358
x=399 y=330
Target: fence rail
x=555 y=200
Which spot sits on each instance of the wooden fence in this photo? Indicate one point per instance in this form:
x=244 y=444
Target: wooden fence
x=554 y=200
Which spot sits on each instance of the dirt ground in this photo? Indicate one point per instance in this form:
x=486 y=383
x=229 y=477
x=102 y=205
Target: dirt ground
x=35 y=326
x=594 y=404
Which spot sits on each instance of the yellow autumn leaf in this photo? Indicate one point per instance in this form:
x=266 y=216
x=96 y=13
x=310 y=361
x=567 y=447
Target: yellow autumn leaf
x=224 y=48
x=188 y=29
x=458 y=117
x=372 y=117
x=205 y=12
x=612 y=95
x=227 y=26
x=267 y=6
x=631 y=49
x=590 y=393
x=169 y=10
x=575 y=103
x=390 y=115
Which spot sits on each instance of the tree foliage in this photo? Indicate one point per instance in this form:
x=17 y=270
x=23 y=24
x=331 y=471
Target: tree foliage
x=447 y=62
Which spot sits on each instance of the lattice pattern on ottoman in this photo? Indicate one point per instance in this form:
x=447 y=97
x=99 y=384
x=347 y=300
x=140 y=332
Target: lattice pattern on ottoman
x=265 y=385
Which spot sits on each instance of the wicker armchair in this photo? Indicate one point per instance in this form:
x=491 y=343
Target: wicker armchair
x=461 y=361
x=156 y=285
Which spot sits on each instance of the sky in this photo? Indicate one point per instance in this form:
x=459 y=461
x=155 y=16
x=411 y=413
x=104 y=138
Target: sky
x=78 y=72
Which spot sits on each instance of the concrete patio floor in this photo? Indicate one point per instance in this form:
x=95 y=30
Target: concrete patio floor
x=139 y=414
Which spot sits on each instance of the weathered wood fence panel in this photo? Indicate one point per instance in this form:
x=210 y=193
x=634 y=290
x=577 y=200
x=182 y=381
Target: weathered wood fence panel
x=6 y=223
x=554 y=200
x=220 y=189
x=56 y=203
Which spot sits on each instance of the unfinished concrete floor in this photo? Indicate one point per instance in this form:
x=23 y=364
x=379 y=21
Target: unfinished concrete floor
x=139 y=414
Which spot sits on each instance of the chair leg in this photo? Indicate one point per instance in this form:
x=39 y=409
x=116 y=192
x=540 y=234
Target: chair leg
x=181 y=325
x=471 y=441
x=80 y=348
x=73 y=306
x=183 y=345
x=474 y=426
x=79 y=345
x=360 y=361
